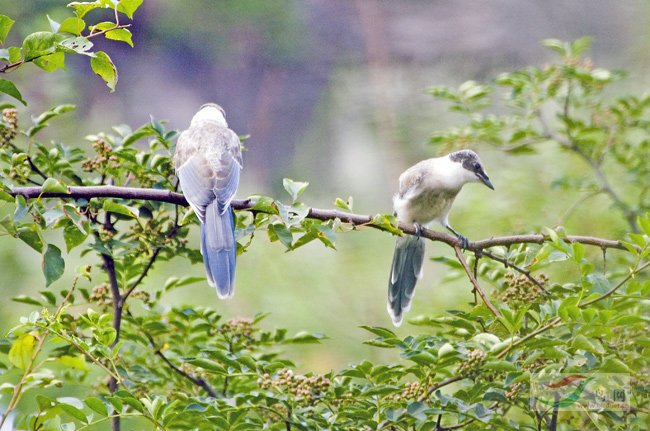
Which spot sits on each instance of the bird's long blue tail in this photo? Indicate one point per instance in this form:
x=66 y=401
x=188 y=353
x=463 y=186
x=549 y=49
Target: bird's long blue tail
x=404 y=274
x=219 y=249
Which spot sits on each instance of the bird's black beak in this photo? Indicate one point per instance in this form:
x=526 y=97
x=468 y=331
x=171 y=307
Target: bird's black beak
x=484 y=179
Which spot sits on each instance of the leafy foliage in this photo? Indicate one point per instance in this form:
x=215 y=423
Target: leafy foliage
x=48 y=49
x=186 y=368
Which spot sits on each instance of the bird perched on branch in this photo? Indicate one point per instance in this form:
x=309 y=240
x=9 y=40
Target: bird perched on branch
x=208 y=162
x=426 y=192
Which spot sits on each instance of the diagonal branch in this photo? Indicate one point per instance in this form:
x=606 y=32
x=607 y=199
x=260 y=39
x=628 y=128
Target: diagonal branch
x=472 y=279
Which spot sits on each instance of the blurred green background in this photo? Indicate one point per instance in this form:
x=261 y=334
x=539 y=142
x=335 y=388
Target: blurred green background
x=332 y=92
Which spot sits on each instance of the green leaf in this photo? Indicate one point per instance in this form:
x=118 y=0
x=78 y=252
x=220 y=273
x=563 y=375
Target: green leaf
x=294 y=188
x=72 y=406
x=279 y=231
x=10 y=89
x=82 y=8
x=5 y=25
x=382 y=332
x=121 y=34
x=114 y=207
x=208 y=365
x=31 y=235
x=52 y=185
x=24 y=299
x=72 y=25
x=20 y=354
x=53 y=24
x=53 y=264
x=38 y=44
x=103 y=66
x=556 y=45
x=15 y=54
x=79 y=45
x=499 y=366
x=73 y=236
x=77 y=362
x=614 y=365
x=304 y=337
x=346 y=206
x=51 y=62
x=97 y=405
x=644 y=223
x=41 y=121
x=128 y=7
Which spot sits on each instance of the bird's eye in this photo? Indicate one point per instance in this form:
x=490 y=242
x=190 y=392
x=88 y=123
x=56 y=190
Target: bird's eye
x=476 y=166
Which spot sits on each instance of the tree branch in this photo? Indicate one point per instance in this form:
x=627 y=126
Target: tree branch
x=89 y=192
x=472 y=279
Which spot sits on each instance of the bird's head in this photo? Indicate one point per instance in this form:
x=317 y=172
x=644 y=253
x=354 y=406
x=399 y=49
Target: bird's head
x=472 y=168
x=210 y=112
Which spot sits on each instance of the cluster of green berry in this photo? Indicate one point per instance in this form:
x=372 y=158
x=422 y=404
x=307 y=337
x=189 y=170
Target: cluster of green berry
x=307 y=389
x=521 y=290
x=104 y=158
x=9 y=126
x=471 y=366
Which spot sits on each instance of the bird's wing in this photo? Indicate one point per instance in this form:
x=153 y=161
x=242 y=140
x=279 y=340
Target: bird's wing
x=410 y=181
x=193 y=169
x=226 y=163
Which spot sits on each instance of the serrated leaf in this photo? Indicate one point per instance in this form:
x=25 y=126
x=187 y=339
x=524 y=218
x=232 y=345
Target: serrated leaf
x=22 y=350
x=5 y=25
x=53 y=264
x=38 y=44
x=103 y=66
x=52 y=185
x=8 y=87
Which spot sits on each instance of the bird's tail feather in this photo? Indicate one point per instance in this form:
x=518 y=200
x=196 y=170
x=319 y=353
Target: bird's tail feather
x=219 y=249
x=404 y=274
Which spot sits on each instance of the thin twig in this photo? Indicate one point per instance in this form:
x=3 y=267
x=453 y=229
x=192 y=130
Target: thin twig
x=552 y=323
x=618 y=286
x=143 y=274
x=436 y=386
x=509 y=264
x=477 y=287
x=198 y=381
